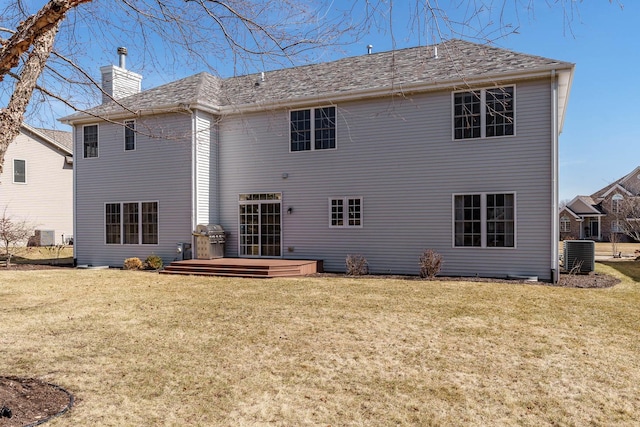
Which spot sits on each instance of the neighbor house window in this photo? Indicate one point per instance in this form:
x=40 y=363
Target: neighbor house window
x=129 y=135
x=484 y=220
x=313 y=129
x=90 y=141
x=616 y=226
x=565 y=225
x=131 y=223
x=616 y=204
x=345 y=212
x=483 y=113
x=19 y=171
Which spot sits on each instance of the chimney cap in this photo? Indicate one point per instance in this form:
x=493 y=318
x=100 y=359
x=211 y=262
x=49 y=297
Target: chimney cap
x=122 y=50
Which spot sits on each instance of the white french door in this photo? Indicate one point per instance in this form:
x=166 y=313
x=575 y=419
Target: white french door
x=260 y=222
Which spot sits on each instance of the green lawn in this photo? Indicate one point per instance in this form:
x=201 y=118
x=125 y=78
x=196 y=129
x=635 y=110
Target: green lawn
x=138 y=348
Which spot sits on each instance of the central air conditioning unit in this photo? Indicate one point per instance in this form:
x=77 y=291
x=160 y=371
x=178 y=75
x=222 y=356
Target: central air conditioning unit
x=45 y=237
x=580 y=256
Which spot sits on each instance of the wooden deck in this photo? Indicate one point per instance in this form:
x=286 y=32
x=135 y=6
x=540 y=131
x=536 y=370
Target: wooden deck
x=244 y=267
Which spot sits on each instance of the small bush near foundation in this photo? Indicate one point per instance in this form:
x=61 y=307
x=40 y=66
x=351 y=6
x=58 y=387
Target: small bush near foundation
x=357 y=265
x=153 y=262
x=430 y=264
x=133 y=264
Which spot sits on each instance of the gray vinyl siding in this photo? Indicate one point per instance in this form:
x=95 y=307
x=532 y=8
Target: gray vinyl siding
x=399 y=156
x=160 y=169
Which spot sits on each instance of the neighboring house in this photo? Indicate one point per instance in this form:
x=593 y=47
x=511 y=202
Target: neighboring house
x=37 y=183
x=597 y=216
x=451 y=147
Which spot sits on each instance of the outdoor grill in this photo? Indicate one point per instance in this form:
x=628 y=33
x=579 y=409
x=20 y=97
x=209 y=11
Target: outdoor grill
x=210 y=240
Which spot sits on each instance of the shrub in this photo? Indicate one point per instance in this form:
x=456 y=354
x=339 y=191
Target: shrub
x=133 y=264
x=357 y=265
x=430 y=264
x=153 y=262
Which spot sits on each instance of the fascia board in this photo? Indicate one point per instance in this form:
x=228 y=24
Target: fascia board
x=113 y=117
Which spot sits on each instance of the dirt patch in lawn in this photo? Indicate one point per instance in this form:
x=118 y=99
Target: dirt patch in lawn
x=30 y=402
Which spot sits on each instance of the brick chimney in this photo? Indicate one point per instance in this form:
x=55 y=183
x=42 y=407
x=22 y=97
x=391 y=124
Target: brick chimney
x=117 y=81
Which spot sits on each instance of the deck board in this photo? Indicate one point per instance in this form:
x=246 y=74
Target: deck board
x=244 y=267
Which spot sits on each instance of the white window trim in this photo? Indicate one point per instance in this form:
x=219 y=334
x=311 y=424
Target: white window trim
x=483 y=221
x=345 y=211
x=124 y=135
x=565 y=220
x=97 y=142
x=483 y=113
x=13 y=170
x=104 y=224
x=313 y=128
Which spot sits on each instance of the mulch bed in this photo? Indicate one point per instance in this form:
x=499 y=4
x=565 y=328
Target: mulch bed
x=31 y=402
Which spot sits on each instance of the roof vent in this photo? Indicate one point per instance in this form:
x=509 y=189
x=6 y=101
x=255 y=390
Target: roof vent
x=122 y=54
x=369 y=49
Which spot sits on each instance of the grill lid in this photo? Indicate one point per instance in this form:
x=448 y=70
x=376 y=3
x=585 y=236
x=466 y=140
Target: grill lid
x=209 y=229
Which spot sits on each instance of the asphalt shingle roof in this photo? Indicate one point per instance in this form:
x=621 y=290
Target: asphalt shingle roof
x=62 y=137
x=457 y=62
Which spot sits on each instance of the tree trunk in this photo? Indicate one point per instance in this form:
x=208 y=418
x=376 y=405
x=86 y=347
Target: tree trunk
x=11 y=117
x=30 y=29
x=37 y=33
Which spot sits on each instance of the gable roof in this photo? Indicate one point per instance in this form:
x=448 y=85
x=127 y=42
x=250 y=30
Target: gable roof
x=457 y=64
x=60 y=140
x=628 y=184
x=584 y=205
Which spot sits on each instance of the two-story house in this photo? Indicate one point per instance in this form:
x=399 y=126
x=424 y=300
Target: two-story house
x=36 y=185
x=599 y=215
x=451 y=147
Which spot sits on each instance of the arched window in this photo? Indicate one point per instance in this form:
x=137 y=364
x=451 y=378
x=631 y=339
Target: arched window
x=565 y=225
x=616 y=204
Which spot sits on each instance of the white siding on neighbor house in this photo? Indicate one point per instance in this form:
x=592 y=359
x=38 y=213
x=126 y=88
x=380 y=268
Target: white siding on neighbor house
x=399 y=156
x=159 y=169
x=45 y=201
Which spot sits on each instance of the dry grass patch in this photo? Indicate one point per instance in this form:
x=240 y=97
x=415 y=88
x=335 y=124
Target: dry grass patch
x=144 y=349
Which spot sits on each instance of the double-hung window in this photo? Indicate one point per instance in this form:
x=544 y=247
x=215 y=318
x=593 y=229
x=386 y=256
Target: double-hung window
x=19 y=171
x=345 y=212
x=565 y=225
x=90 y=141
x=484 y=220
x=131 y=223
x=616 y=204
x=129 y=135
x=484 y=113
x=313 y=129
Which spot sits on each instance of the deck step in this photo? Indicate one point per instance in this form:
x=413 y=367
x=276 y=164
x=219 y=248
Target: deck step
x=242 y=267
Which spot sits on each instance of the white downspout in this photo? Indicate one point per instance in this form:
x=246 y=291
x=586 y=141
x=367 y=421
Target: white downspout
x=74 y=201
x=555 y=226
x=194 y=175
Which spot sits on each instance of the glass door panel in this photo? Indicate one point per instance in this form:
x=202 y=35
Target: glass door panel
x=260 y=225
